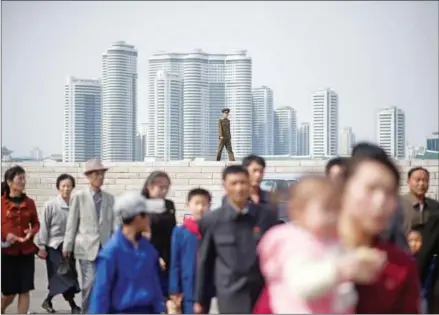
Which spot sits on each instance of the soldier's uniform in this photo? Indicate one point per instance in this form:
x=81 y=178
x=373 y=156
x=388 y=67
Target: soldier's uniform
x=225 y=138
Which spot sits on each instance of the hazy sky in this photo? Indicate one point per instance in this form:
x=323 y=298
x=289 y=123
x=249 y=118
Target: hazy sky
x=373 y=54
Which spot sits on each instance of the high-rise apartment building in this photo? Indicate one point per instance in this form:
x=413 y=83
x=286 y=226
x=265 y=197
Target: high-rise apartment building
x=346 y=141
x=82 y=120
x=324 y=129
x=119 y=102
x=139 y=152
x=239 y=100
x=36 y=154
x=167 y=143
x=263 y=121
x=143 y=130
x=433 y=142
x=303 y=139
x=210 y=83
x=285 y=126
x=141 y=138
x=391 y=131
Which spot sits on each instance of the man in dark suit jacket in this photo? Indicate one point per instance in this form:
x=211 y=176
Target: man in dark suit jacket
x=228 y=257
x=417 y=206
x=429 y=248
x=255 y=166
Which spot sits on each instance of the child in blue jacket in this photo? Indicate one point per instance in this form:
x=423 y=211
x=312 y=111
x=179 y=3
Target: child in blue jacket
x=127 y=267
x=184 y=252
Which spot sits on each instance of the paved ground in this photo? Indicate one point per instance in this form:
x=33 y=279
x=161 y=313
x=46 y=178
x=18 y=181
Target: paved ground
x=40 y=292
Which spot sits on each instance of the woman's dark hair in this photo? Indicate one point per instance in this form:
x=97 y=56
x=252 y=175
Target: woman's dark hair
x=152 y=178
x=64 y=177
x=9 y=176
x=369 y=150
x=355 y=161
x=337 y=161
x=253 y=159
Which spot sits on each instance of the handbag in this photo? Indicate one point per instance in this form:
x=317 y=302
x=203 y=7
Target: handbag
x=66 y=268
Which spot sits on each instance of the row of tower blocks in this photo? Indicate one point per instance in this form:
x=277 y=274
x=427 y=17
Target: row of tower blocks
x=186 y=92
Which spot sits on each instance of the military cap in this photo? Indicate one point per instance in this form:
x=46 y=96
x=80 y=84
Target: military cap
x=226 y=110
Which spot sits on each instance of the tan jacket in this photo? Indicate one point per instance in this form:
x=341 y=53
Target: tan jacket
x=85 y=233
x=415 y=213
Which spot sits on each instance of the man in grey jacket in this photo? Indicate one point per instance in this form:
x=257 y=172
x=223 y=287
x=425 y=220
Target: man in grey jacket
x=90 y=223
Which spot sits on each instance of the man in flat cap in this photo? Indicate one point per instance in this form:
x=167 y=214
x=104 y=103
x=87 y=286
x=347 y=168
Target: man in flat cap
x=90 y=223
x=127 y=268
x=225 y=137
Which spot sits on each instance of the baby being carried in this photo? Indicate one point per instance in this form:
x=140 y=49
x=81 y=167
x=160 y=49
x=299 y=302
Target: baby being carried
x=305 y=267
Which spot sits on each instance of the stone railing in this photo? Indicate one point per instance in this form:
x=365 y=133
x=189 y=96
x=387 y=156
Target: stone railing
x=41 y=177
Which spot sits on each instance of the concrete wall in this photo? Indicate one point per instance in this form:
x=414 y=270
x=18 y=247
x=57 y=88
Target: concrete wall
x=185 y=175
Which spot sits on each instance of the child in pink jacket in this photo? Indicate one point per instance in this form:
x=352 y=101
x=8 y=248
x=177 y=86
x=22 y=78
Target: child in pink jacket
x=305 y=268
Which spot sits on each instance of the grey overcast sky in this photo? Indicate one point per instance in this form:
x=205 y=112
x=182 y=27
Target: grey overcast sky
x=373 y=54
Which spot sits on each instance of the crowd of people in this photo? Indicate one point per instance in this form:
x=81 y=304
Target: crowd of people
x=352 y=244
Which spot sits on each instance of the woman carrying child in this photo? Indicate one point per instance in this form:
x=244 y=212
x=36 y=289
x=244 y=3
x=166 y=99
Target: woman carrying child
x=369 y=199
x=319 y=279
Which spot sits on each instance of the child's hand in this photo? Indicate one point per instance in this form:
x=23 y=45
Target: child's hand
x=162 y=263
x=363 y=265
x=171 y=308
x=147 y=234
x=176 y=298
x=198 y=309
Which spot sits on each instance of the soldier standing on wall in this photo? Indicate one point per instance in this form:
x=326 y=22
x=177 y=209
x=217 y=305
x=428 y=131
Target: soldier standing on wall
x=225 y=138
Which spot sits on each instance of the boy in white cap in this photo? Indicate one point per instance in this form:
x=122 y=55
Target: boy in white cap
x=127 y=267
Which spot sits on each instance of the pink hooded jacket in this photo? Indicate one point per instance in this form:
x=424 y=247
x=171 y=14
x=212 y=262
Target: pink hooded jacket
x=300 y=272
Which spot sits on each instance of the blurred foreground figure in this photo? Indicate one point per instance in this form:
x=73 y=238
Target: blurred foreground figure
x=369 y=199
x=227 y=256
x=313 y=274
x=127 y=267
x=395 y=232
